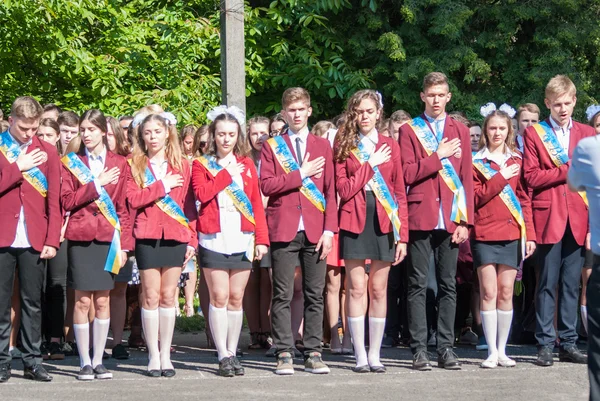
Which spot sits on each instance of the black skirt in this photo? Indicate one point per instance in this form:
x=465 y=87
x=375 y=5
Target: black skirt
x=215 y=260
x=158 y=253
x=126 y=271
x=496 y=252
x=371 y=243
x=86 y=266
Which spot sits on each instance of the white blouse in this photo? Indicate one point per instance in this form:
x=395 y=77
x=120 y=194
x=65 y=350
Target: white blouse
x=369 y=143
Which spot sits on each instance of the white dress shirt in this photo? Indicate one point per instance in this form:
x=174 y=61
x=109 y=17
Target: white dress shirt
x=563 y=133
x=499 y=159
x=21 y=239
x=369 y=143
x=231 y=239
x=438 y=124
x=160 y=169
x=303 y=135
x=97 y=165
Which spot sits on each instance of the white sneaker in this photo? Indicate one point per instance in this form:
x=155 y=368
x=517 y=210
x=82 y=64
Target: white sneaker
x=506 y=362
x=490 y=363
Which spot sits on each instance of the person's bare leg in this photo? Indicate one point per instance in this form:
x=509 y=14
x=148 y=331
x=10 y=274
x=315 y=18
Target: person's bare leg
x=190 y=292
x=334 y=284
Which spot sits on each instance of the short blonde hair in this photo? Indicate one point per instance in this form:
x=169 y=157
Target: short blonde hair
x=435 y=78
x=26 y=107
x=560 y=85
x=292 y=95
x=528 y=107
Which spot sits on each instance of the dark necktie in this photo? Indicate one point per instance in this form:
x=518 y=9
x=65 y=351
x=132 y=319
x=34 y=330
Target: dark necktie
x=298 y=151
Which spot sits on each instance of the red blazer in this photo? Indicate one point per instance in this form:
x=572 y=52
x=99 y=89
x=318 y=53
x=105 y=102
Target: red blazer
x=42 y=215
x=552 y=202
x=351 y=178
x=286 y=203
x=206 y=188
x=493 y=220
x=86 y=222
x=426 y=187
x=150 y=222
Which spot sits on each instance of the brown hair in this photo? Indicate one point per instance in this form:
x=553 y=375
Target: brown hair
x=434 y=78
x=3 y=125
x=275 y=118
x=95 y=117
x=197 y=139
x=529 y=107
x=123 y=147
x=292 y=95
x=400 y=116
x=241 y=147
x=510 y=138
x=256 y=120
x=145 y=112
x=188 y=130
x=460 y=117
x=321 y=128
x=68 y=118
x=349 y=134
x=560 y=85
x=173 y=153
x=50 y=123
x=26 y=107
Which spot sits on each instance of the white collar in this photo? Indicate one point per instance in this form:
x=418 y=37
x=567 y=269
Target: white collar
x=440 y=118
x=558 y=127
x=372 y=136
x=101 y=157
x=303 y=134
x=485 y=154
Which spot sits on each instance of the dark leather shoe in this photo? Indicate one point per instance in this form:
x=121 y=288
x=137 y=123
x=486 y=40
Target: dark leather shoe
x=37 y=373
x=168 y=373
x=238 y=369
x=421 y=361
x=4 y=372
x=361 y=369
x=449 y=360
x=154 y=373
x=544 y=357
x=572 y=354
x=226 y=368
x=378 y=369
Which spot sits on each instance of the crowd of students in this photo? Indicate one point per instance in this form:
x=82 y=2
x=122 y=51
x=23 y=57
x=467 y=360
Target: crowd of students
x=299 y=229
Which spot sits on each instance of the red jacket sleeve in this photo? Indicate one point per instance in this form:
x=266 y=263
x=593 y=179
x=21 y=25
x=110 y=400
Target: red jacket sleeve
x=189 y=206
x=465 y=173
x=261 y=230
x=127 y=242
x=525 y=201
x=329 y=192
x=10 y=176
x=205 y=186
x=400 y=192
x=142 y=197
x=53 y=200
x=348 y=187
x=72 y=198
x=536 y=177
x=272 y=184
x=416 y=170
x=485 y=190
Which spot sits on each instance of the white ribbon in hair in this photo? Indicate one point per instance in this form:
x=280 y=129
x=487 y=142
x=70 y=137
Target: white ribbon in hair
x=490 y=107
x=380 y=98
x=235 y=111
x=592 y=111
x=170 y=117
x=137 y=120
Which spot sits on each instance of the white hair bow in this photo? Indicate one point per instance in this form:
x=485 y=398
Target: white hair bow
x=137 y=120
x=235 y=111
x=592 y=111
x=170 y=117
x=490 y=107
x=380 y=98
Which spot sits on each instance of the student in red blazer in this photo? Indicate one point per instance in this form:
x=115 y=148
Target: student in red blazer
x=229 y=240
x=497 y=240
x=90 y=235
x=429 y=210
x=561 y=223
x=164 y=242
x=298 y=229
x=366 y=230
x=30 y=233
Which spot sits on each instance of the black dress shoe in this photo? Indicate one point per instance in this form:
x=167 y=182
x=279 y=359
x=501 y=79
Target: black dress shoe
x=154 y=373
x=544 y=357
x=361 y=369
x=168 y=372
x=572 y=354
x=378 y=369
x=4 y=372
x=226 y=368
x=421 y=361
x=448 y=360
x=238 y=369
x=37 y=373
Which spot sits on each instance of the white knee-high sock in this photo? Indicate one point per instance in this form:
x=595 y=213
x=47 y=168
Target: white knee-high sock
x=150 y=326
x=235 y=319
x=100 y=331
x=357 y=329
x=504 y=323
x=166 y=317
x=584 y=321
x=489 y=321
x=219 y=326
x=82 y=337
x=376 y=329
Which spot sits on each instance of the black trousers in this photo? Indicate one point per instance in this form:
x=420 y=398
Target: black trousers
x=285 y=257
x=395 y=319
x=56 y=293
x=560 y=267
x=422 y=244
x=31 y=272
x=593 y=307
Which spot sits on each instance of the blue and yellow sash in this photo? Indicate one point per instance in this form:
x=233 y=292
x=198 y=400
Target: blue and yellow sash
x=509 y=198
x=381 y=190
x=288 y=163
x=166 y=204
x=448 y=173
x=106 y=206
x=554 y=149
x=236 y=194
x=10 y=149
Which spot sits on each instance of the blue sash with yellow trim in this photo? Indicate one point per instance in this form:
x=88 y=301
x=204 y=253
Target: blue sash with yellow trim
x=11 y=150
x=510 y=199
x=448 y=173
x=106 y=206
x=554 y=148
x=289 y=164
x=166 y=204
x=380 y=190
